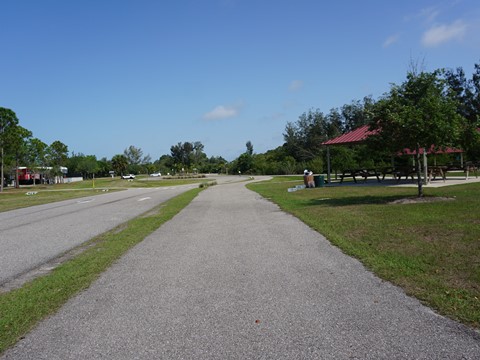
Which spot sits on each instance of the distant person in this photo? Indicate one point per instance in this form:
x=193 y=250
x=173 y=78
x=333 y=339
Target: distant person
x=308 y=179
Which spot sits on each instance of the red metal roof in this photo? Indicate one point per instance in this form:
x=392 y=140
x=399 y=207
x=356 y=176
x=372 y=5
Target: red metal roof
x=360 y=134
x=355 y=136
x=447 y=150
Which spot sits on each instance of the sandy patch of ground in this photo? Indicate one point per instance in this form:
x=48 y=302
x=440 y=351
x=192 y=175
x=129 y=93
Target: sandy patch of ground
x=420 y=200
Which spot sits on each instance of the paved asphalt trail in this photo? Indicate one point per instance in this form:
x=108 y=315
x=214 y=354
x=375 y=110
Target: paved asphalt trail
x=233 y=277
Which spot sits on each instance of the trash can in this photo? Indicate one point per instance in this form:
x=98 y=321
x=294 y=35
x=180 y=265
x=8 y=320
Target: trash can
x=319 y=180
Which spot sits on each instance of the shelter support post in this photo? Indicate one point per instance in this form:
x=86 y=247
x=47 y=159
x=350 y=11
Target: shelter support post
x=425 y=164
x=328 y=166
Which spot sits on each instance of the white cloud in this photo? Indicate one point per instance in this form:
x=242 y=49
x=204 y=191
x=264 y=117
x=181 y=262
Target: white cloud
x=430 y=14
x=221 y=112
x=295 y=85
x=426 y=15
x=391 y=40
x=439 y=34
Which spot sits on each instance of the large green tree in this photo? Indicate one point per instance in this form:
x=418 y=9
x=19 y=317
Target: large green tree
x=199 y=156
x=357 y=113
x=119 y=164
x=245 y=163
x=35 y=158
x=135 y=156
x=335 y=126
x=188 y=154
x=303 y=138
x=215 y=164
x=88 y=166
x=8 y=122
x=136 y=161
x=18 y=147
x=417 y=114
x=249 y=146
x=104 y=166
x=467 y=93
x=164 y=164
x=57 y=154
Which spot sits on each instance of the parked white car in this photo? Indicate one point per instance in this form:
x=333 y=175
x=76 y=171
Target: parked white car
x=129 y=176
x=156 y=174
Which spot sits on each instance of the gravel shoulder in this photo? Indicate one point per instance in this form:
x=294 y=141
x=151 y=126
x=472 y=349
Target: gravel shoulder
x=233 y=277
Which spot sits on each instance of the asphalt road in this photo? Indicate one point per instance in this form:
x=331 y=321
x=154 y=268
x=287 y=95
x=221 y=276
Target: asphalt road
x=31 y=236
x=233 y=277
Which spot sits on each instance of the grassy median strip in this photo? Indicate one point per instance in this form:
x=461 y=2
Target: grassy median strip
x=23 y=308
x=20 y=198
x=430 y=249
x=141 y=181
x=11 y=199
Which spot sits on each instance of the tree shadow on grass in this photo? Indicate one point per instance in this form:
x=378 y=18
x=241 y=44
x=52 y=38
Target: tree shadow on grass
x=354 y=200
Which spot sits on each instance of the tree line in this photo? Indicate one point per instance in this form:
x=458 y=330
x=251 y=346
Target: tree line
x=18 y=148
x=439 y=108
x=429 y=108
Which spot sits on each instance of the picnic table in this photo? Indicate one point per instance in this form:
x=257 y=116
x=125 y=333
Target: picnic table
x=470 y=167
x=404 y=171
x=407 y=171
x=389 y=171
x=411 y=171
x=434 y=171
x=364 y=173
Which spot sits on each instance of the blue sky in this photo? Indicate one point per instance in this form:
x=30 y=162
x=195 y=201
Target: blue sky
x=101 y=75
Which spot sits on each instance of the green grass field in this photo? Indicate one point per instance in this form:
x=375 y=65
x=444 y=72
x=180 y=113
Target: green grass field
x=431 y=249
